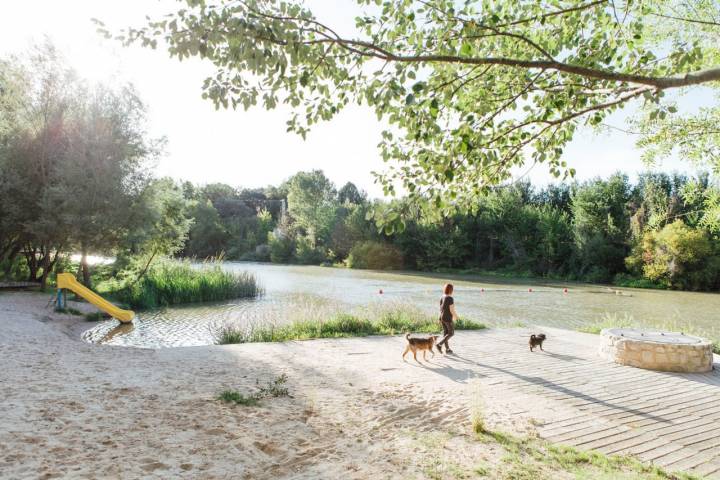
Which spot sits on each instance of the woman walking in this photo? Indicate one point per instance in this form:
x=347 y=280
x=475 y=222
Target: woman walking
x=447 y=318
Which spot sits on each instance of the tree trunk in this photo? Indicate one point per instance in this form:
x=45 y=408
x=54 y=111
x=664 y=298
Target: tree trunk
x=10 y=259
x=85 y=269
x=145 y=269
x=45 y=270
x=31 y=257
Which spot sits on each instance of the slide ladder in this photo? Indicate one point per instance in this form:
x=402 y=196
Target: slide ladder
x=67 y=281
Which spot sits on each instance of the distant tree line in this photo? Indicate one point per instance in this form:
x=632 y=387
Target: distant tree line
x=662 y=231
x=75 y=177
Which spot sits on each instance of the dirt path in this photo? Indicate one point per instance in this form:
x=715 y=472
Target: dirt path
x=75 y=410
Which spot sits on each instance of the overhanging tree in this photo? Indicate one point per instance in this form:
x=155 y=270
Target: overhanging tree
x=470 y=89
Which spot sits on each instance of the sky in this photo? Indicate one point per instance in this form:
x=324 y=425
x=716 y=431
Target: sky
x=247 y=148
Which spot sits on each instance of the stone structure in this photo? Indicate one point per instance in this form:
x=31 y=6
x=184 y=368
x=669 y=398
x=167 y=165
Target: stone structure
x=656 y=350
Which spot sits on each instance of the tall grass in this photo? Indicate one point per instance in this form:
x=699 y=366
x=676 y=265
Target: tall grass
x=385 y=321
x=177 y=282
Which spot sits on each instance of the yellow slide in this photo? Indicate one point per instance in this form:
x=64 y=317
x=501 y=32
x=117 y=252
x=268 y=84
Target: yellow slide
x=68 y=281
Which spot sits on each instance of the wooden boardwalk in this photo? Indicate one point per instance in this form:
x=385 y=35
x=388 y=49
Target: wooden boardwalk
x=668 y=419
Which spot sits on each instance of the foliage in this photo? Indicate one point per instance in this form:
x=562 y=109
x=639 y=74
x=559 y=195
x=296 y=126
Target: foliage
x=306 y=253
x=600 y=227
x=629 y=281
x=588 y=231
x=312 y=202
x=173 y=282
x=281 y=247
x=678 y=257
x=73 y=174
x=375 y=255
x=471 y=90
x=207 y=236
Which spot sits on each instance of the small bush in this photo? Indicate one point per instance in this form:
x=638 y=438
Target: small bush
x=281 y=247
x=262 y=253
x=174 y=282
x=306 y=253
x=276 y=388
x=375 y=256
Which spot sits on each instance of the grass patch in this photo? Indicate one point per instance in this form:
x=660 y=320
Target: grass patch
x=276 y=388
x=340 y=325
x=178 y=282
x=531 y=458
x=233 y=396
x=69 y=311
x=93 y=317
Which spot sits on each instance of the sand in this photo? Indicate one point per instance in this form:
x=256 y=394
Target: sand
x=76 y=410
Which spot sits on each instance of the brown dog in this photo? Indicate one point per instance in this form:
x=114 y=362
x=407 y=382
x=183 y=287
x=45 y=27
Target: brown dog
x=536 y=341
x=423 y=344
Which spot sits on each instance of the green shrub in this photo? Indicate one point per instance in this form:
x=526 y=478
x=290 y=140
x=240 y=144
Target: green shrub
x=233 y=396
x=276 y=388
x=625 y=280
x=281 y=247
x=375 y=256
x=306 y=253
x=677 y=256
x=175 y=282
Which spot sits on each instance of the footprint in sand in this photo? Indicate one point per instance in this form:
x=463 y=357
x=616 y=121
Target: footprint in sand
x=266 y=448
x=151 y=467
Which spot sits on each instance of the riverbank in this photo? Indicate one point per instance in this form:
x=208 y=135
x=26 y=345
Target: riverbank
x=355 y=410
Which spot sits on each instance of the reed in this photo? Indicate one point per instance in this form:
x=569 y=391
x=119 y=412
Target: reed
x=369 y=321
x=178 y=282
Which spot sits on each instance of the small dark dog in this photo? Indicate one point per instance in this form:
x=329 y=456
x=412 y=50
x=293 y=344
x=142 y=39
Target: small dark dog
x=536 y=341
x=423 y=344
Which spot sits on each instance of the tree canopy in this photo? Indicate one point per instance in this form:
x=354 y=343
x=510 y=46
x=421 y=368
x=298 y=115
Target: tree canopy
x=470 y=89
x=73 y=170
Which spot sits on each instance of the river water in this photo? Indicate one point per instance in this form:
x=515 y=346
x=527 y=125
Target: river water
x=306 y=291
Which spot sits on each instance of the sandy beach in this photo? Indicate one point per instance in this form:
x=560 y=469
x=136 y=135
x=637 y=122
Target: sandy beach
x=76 y=410
x=73 y=409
